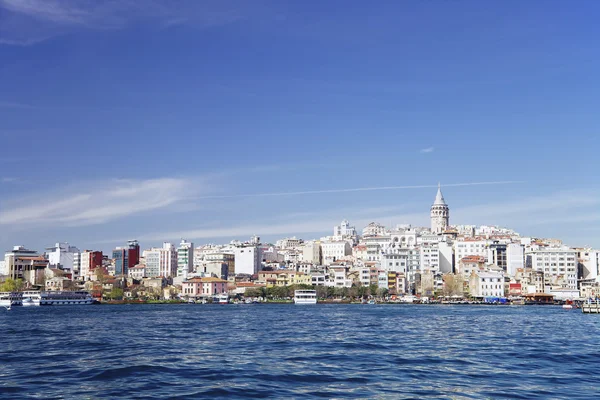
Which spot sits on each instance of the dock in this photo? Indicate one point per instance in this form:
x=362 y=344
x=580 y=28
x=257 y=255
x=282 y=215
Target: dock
x=590 y=308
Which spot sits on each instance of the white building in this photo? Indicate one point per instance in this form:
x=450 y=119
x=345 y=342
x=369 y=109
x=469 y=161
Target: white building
x=559 y=265
x=471 y=247
x=440 y=213
x=61 y=256
x=161 y=261
x=335 y=250
x=374 y=229
x=185 y=258
x=247 y=259
x=137 y=272
x=344 y=230
x=589 y=263
x=376 y=246
x=515 y=258
x=487 y=283
x=289 y=243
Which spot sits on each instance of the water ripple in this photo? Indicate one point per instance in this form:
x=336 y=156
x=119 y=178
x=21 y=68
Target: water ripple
x=283 y=351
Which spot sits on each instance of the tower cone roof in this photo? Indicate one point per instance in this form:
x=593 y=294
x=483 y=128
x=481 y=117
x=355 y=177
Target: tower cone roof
x=439 y=197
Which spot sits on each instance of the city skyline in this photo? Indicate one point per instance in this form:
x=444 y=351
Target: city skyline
x=211 y=121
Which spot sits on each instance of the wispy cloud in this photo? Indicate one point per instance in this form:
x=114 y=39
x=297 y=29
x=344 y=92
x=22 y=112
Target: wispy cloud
x=8 y=104
x=8 y=179
x=530 y=215
x=427 y=150
x=365 y=189
x=26 y=22
x=99 y=203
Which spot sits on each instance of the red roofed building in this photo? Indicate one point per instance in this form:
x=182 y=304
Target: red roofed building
x=203 y=287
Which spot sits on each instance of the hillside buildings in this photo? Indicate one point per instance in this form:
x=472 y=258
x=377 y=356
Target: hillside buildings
x=480 y=261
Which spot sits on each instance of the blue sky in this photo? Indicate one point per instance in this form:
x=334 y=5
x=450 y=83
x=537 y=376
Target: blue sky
x=153 y=119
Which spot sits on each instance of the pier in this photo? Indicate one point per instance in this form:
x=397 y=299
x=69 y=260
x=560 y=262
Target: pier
x=591 y=308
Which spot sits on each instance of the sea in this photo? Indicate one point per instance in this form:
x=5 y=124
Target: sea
x=334 y=351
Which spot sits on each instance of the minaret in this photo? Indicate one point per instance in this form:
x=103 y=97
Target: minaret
x=440 y=213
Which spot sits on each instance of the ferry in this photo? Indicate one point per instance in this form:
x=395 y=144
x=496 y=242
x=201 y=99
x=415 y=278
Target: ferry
x=305 y=297
x=37 y=298
x=8 y=299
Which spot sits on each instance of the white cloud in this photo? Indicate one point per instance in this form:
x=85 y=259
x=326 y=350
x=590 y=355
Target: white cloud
x=364 y=189
x=99 y=203
x=8 y=179
x=27 y=22
x=427 y=150
x=8 y=104
x=533 y=214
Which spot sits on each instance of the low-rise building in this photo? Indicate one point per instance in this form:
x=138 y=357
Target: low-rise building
x=203 y=287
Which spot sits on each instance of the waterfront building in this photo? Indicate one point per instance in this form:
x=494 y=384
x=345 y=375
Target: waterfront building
x=22 y=263
x=185 y=258
x=440 y=213
x=89 y=260
x=203 y=287
x=59 y=283
x=486 y=283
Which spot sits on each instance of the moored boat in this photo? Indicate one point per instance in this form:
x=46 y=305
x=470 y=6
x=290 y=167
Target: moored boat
x=305 y=297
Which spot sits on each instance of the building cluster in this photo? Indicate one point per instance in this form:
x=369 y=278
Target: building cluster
x=439 y=260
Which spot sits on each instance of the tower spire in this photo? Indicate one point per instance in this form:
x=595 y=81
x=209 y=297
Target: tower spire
x=439 y=198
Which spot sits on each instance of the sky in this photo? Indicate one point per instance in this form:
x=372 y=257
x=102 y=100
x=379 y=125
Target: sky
x=217 y=120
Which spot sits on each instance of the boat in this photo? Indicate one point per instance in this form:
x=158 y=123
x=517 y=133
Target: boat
x=305 y=297
x=8 y=299
x=65 y=298
x=222 y=298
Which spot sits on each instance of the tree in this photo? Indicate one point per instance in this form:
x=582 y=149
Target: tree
x=322 y=292
x=12 y=285
x=373 y=289
x=116 y=294
x=252 y=292
x=453 y=285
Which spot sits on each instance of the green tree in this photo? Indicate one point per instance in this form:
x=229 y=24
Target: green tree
x=252 y=292
x=12 y=285
x=373 y=290
x=116 y=294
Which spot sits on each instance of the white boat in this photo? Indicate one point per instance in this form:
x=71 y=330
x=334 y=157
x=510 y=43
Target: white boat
x=31 y=298
x=65 y=298
x=222 y=298
x=8 y=299
x=305 y=297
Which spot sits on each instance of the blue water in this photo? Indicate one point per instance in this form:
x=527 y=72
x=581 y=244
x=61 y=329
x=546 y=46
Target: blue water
x=287 y=351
